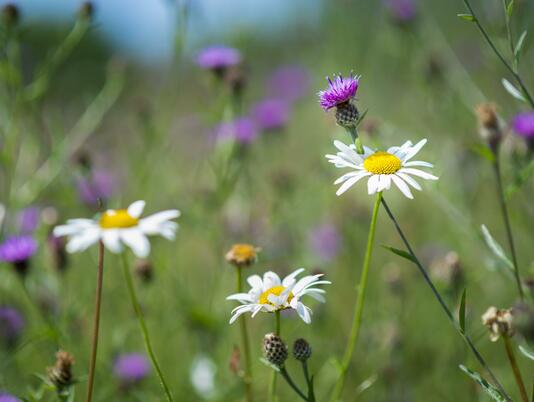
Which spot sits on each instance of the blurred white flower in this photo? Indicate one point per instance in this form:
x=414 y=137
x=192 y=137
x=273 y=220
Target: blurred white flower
x=382 y=168
x=116 y=228
x=202 y=376
x=271 y=294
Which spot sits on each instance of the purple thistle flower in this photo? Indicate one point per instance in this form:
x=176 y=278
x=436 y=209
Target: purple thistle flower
x=17 y=249
x=218 y=57
x=340 y=90
x=402 y=11
x=271 y=114
x=523 y=124
x=131 y=368
x=11 y=324
x=4 y=397
x=98 y=185
x=242 y=130
x=28 y=220
x=325 y=241
x=289 y=82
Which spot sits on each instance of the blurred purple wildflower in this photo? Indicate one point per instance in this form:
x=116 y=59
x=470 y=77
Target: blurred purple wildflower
x=11 y=324
x=99 y=184
x=28 y=220
x=289 y=82
x=8 y=398
x=218 y=57
x=325 y=241
x=402 y=11
x=242 y=129
x=339 y=91
x=131 y=368
x=271 y=114
x=523 y=124
x=17 y=249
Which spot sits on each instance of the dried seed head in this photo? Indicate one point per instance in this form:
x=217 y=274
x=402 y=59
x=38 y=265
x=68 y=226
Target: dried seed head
x=235 y=361
x=489 y=125
x=499 y=322
x=144 y=270
x=242 y=255
x=61 y=374
x=347 y=115
x=274 y=349
x=447 y=270
x=302 y=350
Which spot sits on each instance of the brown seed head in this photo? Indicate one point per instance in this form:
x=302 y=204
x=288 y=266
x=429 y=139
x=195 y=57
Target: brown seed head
x=499 y=322
x=61 y=374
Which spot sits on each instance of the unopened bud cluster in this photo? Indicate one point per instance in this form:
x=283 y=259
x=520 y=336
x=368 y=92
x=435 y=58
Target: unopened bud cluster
x=499 y=322
x=276 y=351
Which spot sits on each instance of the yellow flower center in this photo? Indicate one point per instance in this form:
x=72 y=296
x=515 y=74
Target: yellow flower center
x=277 y=291
x=117 y=219
x=382 y=163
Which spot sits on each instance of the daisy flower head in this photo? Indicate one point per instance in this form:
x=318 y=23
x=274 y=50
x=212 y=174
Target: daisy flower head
x=270 y=294
x=119 y=227
x=381 y=168
x=340 y=91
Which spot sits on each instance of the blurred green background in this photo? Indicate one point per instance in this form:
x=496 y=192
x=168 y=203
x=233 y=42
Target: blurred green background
x=148 y=125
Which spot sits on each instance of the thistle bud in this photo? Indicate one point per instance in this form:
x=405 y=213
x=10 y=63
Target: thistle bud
x=274 y=349
x=242 y=255
x=347 y=115
x=10 y=14
x=302 y=350
x=144 y=270
x=87 y=10
x=499 y=322
x=489 y=125
x=61 y=374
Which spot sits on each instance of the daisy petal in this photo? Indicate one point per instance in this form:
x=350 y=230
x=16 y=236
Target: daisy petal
x=136 y=209
x=137 y=241
x=403 y=187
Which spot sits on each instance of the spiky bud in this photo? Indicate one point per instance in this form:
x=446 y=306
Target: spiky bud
x=347 y=115
x=499 y=322
x=489 y=125
x=302 y=350
x=61 y=374
x=274 y=349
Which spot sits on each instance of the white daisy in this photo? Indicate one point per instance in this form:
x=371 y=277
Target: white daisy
x=271 y=294
x=382 y=168
x=116 y=228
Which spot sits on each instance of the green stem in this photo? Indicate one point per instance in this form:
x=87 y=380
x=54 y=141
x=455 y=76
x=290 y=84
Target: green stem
x=272 y=385
x=499 y=55
x=360 y=301
x=515 y=368
x=247 y=379
x=144 y=329
x=285 y=375
x=442 y=303
x=507 y=225
x=96 y=322
x=509 y=33
x=309 y=382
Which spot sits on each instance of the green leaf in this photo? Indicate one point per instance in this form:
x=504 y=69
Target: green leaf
x=526 y=352
x=496 y=248
x=484 y=152
x=467 y=17
x=461 y=312
x=400 y=253
x=510 y=8
x=486 y=386
x=519 y=46
x=516 y=93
